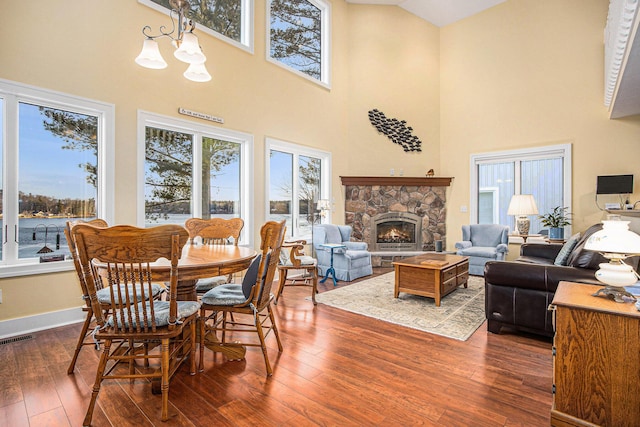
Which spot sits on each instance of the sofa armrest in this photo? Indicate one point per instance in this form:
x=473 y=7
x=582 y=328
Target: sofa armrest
x=541 y=250
x=502 y=248
x=356 y=246
x=534 y=276
x=464 y=244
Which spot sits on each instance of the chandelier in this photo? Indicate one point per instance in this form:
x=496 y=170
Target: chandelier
x=182 y=37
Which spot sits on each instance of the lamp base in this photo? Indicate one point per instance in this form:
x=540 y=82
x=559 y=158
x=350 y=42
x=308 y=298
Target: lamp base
x=615 y=293
x=522 y=225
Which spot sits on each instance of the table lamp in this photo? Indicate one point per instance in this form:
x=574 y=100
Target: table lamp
x=615 y=242
x=522 y=205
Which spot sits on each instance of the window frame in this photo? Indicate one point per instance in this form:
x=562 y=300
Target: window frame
x=146 y=118
x=533 y=153
x=325 y=44
x=14 y=93
x=246 y=24
x=297 y=150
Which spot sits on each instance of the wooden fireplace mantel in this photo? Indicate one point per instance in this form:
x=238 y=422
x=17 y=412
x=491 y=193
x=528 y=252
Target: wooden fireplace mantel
x=434 y=181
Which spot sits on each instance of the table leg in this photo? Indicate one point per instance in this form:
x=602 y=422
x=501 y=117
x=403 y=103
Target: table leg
x=187 y=292
x=331 y=271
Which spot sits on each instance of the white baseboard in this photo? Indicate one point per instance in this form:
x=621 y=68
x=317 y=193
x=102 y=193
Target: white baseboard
x=40 y=322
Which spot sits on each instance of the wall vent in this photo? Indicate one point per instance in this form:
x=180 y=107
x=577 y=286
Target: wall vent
x=15 y=339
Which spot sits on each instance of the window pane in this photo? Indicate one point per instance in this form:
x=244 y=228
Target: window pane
x=2 y=130
x=496 y=179
x=542 y=178
x=57 y=177
x=308 y=194
x=281 y=190
x=221 y=16
x=296 y=34
x=220 y=178
x=168 y=176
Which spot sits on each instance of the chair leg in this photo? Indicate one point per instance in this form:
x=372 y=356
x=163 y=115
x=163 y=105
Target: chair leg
x=102 y=364
x=263 y=345
x=282 y=279
x=81 y=343
x=164 y=385
x=314 y=284
x=192 y=348
x=272 y=318
x=201 y=321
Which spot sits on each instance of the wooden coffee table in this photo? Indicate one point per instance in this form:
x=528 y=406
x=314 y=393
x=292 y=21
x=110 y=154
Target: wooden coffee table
x=431 y=275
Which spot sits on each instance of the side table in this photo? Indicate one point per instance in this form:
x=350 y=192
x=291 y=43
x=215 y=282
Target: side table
x=331 y=271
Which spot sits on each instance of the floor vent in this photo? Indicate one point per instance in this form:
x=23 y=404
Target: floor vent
x=15 y=339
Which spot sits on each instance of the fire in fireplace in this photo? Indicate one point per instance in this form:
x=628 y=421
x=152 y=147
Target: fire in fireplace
x=396 y=231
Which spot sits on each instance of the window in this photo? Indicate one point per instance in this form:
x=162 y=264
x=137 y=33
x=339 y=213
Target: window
x=298 y=178
x=298 y=35
x=56 y=161
x=194 y=170
x=544 y=172
x=228 y=20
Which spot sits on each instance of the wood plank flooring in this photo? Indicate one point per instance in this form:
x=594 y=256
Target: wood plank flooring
x=337 y=369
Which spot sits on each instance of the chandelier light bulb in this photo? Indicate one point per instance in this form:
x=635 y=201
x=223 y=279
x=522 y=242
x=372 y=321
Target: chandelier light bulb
x=197 y=73
x=150 y=56
x=189 y=50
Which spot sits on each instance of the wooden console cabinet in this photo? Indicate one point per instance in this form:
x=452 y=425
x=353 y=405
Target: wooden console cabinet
x=596 y=369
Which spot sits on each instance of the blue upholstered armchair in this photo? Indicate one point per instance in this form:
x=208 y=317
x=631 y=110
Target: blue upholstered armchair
x=350 y=263
x=482 y=243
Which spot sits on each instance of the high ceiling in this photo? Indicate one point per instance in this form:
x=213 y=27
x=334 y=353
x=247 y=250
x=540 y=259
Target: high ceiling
x=438 y=12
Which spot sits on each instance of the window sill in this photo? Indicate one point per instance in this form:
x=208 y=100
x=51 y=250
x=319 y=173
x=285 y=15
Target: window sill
x=31 y=268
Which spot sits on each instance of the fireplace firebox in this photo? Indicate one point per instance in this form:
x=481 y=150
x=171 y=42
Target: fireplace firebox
x=396 y=231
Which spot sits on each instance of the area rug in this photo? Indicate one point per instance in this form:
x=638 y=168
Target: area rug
x=459 y=315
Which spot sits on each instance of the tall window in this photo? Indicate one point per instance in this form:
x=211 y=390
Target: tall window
x=55 y=164
x=544 y=172
x=298 y=34
x=298 y=178
x=194 y=170
x=228 y=20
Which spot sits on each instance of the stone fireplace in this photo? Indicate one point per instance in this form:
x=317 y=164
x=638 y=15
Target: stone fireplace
x=403 y=206
x=396 y=231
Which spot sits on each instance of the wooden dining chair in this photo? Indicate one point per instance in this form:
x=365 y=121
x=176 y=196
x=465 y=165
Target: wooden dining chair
x=251 y=298
x=120 y=259
x=86 y=337
x=292 y=258
x=214 y=231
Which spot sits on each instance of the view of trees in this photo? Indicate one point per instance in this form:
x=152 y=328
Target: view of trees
x=296 y=35
x=168 y=175
x=222 y=16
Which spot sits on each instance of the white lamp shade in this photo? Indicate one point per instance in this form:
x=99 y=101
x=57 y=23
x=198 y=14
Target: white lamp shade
x=150 y=56
x=189 y=50
x=197 y=73
x=522 y=204
x=614 y=238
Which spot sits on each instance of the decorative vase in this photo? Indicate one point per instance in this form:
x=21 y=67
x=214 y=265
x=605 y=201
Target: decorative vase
x=556 y=233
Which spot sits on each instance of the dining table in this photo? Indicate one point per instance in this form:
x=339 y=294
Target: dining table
x=200 y=261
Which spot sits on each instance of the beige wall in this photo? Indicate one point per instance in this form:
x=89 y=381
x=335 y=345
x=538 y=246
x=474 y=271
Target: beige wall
x=529 y=73
x=522 y=74
x=86 y=48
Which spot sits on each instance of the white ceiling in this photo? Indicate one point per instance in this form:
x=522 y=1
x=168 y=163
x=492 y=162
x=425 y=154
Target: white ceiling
x=438 y=12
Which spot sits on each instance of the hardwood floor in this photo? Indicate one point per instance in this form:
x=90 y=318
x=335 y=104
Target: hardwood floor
x=337 y=369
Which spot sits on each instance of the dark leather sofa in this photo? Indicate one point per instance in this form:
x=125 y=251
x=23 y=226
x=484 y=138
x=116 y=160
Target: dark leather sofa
x=518 y=293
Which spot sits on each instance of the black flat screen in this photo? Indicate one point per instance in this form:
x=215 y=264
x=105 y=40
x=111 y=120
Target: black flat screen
x=614 y=184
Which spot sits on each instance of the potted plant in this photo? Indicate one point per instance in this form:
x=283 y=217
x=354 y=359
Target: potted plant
x=556 y=220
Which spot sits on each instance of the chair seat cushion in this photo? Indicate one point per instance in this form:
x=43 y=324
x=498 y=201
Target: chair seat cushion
x=227 y=295
x=304 y=260
x=104 y=294
x=479 y=251
x=161 y=311
x=203 y=285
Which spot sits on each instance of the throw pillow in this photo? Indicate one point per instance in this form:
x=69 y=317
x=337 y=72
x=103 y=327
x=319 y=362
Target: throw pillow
x=563 y=255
